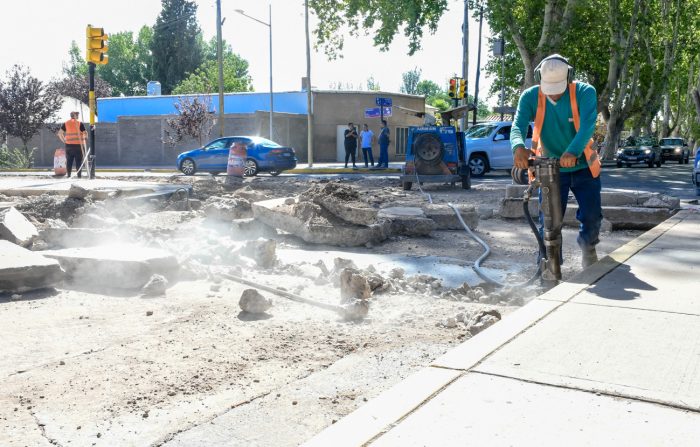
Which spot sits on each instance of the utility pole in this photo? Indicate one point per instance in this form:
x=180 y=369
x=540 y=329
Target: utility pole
x=272 y=108
x=503 y=74
x=478 y=66
x=309 y=104
x=220 y=63
x=465 y=58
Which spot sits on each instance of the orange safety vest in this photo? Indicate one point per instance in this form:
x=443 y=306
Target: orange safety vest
x=590 y=153
x=73 y=134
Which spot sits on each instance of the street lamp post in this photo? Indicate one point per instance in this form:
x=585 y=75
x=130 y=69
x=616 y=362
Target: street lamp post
x=269 y=25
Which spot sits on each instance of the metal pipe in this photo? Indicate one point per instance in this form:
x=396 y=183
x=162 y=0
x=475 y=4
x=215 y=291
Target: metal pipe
x=272 y=107
x=220 y=63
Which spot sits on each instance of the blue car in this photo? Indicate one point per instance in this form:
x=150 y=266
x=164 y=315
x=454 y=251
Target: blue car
x=263 y=156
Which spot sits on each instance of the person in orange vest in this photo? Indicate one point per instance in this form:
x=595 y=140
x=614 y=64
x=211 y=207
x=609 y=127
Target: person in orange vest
x=565 y=113
x=73 y=135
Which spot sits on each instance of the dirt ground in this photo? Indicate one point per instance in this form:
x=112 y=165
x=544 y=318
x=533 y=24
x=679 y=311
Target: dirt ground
x=189 y=368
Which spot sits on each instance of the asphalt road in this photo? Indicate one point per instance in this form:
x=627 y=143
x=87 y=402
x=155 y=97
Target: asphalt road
x=671 y=178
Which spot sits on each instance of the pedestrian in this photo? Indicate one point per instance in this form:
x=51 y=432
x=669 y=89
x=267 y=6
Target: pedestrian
x=350 y=144
x=384 y=146
x=565 y=114
x=367 y=137
x=73 y=134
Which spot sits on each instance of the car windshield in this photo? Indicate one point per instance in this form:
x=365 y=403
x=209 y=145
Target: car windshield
x=264 y=142
x=672 y=142
x=216 y=144
x=480 y=131
x=640 y=141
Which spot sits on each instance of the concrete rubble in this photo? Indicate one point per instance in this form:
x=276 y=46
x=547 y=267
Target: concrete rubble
x=254 y=302
x=407 y=221
x=114 y=267
x=262 y=251
x=155 y=286
x=353 y=285
x=227 y=209
x=22 y=270
x=16 y=228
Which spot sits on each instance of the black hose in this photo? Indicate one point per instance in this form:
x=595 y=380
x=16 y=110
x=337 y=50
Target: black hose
x=533 y=227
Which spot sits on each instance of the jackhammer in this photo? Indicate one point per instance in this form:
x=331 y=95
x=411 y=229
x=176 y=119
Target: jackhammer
x=543 y=173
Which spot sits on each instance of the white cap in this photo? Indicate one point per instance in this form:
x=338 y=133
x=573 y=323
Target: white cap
x=554 y=73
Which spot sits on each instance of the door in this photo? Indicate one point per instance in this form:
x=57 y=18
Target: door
x=215 y=154
x=501 y=154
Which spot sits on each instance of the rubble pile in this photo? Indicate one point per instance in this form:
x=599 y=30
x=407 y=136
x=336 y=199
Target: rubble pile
x=474 y=321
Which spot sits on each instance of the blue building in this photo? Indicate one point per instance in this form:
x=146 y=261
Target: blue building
x=110 y=109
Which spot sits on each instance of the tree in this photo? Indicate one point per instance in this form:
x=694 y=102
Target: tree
x=429 y=89
x=534 y=34
x=381 y=17
x=411 y=79
x=194 y=119
x=372 y=85
x=25 y=105
x=177 y=43
x=130 y=64
x=206 y=78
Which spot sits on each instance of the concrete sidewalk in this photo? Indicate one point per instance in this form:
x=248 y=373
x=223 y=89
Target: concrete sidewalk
x=611 y=357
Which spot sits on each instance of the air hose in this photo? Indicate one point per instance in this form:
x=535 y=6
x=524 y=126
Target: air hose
x=487 y=252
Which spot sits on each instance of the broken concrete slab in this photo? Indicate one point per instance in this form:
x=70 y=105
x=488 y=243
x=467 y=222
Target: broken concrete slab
x=16 y=228
x=314 y=224
x=250 y=229
x=114 y=266
x=77 y=237
x=614 y=198
x=343 y=201
x=407 y=221
x=77 y=192
x=446 y=219
x=22 y=270
x=513 y=208
x=625 y=217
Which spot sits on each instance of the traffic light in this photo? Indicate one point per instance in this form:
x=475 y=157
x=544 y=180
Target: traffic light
x=452 y=92
x=462 y=87
x=96 y=45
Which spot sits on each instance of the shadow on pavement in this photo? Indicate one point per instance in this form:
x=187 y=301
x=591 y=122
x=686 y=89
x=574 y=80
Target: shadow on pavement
x=621 y=284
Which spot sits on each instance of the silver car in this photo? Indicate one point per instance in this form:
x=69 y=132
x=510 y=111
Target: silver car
x=488 y=146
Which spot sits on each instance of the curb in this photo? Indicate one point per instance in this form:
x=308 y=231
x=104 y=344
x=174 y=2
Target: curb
x=372 y=420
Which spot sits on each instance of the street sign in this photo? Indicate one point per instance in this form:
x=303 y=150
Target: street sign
x=374 y=112
x=386 y=102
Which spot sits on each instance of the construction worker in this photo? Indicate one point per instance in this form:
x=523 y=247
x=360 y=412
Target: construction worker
x=73 y=136
x=565 y=113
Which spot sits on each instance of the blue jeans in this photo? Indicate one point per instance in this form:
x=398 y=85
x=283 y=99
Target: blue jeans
x=586 y=189
x=383 y=154
x=365 y=152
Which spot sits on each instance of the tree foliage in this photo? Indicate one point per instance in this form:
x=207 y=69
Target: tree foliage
x=205 y=79
x=410 y=80
x=130 y=64
x=385 y=19
x=177 y=43
x=75 y=82
x=194 y=119
x=26 y=104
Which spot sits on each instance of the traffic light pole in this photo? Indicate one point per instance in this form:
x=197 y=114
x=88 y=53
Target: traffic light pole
x=91 y=99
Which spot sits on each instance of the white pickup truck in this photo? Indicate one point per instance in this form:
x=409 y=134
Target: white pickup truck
x=488 y=146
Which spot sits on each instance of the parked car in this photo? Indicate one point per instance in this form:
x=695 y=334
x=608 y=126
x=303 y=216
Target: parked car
x=674 y=148
x=263 y=156
x=637 y=150
x=696 y=172
x=488 y=146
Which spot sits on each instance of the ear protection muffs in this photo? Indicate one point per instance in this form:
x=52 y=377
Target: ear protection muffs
x=569 y=74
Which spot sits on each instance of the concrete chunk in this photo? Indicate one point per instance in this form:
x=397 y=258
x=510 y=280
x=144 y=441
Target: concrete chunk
x=22 y=270
x=314 y=224
x=16 y=228
x=115 y=266
x=407 y=221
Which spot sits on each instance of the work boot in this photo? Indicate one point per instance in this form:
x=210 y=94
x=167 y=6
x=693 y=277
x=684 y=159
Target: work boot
x=589 y=256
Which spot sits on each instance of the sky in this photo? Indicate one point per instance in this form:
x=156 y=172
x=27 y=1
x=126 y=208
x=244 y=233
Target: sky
x=54 y=24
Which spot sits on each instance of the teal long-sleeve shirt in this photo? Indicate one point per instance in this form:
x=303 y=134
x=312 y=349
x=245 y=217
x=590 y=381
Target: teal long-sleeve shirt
x=558 y=134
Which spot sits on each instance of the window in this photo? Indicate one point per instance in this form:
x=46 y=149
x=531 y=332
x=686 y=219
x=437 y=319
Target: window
x=480 y=131
x=217 y=144
x=505 y=131
x=400 y=140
